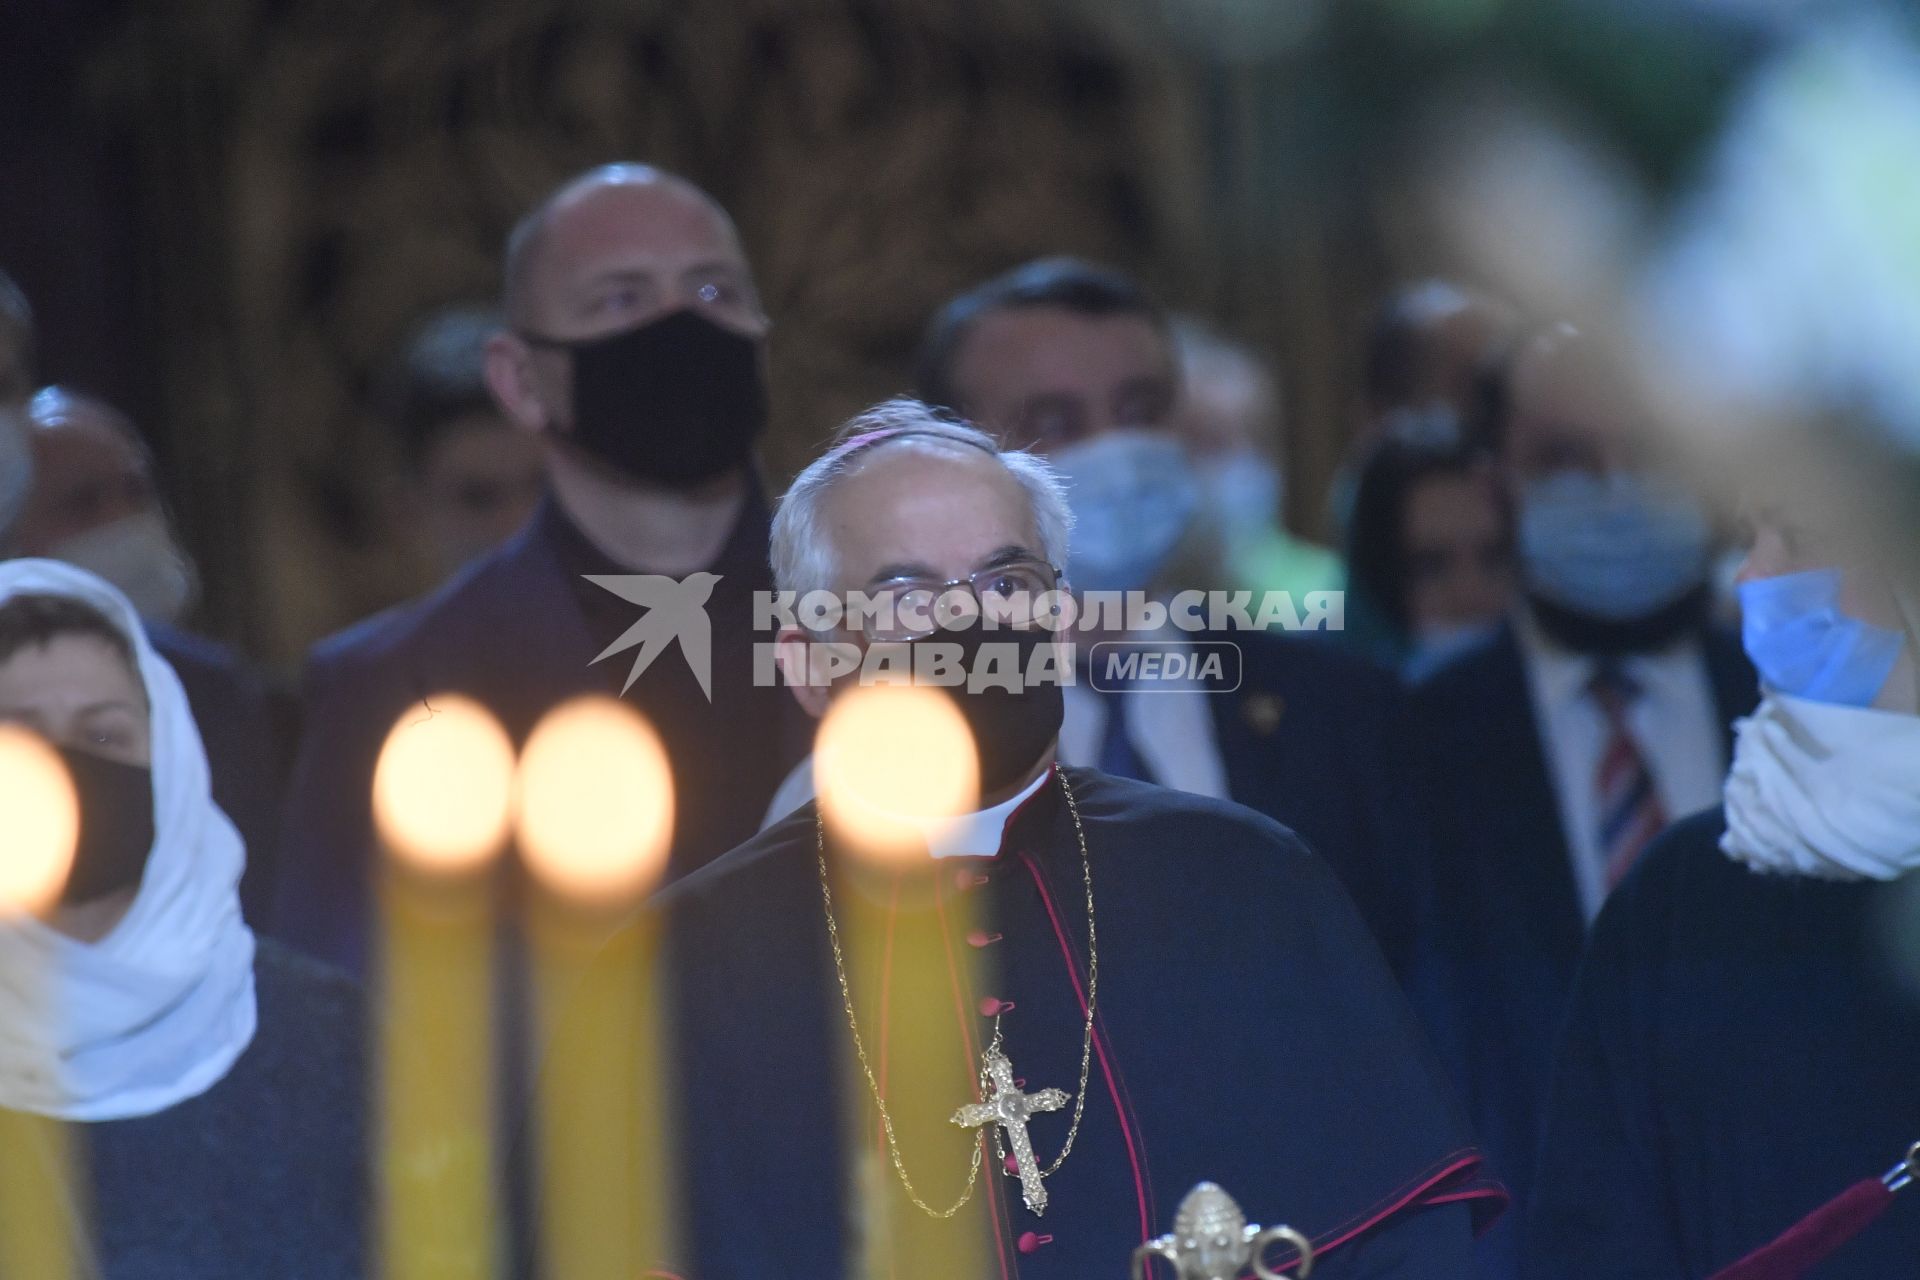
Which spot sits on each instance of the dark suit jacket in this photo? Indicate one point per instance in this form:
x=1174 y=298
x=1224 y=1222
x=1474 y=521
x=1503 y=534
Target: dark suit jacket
x=1739 y=1050
x=247 y=742
x=514 y=632
x=1316 y=738
x=1506 y=929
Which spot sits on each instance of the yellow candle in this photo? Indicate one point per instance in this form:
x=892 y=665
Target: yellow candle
x=595 y=826
x=442 y=793
x=41 y=1228
x=889 y=760
x=43 y=823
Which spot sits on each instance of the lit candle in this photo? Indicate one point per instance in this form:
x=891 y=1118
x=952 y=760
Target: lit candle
x=889 y=762
x=595 y=827
x=41 y=1232
x=442 y=794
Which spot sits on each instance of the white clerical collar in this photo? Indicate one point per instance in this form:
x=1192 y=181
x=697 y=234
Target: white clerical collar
x=978 y=834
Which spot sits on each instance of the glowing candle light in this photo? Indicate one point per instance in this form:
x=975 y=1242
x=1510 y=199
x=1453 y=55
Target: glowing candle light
x=595 y=828
x=43 y=822
x=442 y=796
x=40 y=1229
x=596 y=803
x=890 y=762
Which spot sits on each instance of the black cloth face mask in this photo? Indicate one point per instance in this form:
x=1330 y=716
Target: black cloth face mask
x=1011 y=729
x=116 y=825
x=675 y=401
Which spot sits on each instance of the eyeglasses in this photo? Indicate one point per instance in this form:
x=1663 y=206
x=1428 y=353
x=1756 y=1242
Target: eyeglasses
x=1011 y=595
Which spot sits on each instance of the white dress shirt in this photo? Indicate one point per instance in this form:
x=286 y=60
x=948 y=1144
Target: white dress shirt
x=970 y=835
x=1674 y=722
x=1169 y=725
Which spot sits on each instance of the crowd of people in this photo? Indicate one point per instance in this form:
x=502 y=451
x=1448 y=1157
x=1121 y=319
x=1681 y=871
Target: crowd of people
x=1528 y=919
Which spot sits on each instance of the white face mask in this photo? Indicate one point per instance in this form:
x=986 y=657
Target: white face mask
x=1825 y=791
x=16 y=469
x=139 y=556
x=1133 y=496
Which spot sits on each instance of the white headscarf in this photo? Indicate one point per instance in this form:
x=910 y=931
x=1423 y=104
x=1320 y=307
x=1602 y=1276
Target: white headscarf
x=1826 y=791
x=159 y=1010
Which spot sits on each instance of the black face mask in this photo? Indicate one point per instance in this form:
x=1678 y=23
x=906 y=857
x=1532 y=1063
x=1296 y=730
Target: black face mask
x=116 y=825
x=1011 y=729
x=676 y=401
x=1583 y=633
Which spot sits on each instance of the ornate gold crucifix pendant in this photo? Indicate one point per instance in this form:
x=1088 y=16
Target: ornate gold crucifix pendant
x=1009 y=1108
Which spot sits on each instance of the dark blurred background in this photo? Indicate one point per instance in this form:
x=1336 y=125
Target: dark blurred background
x=229 y=212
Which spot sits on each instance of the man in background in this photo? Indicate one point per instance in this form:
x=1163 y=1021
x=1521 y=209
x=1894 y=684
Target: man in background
x=96 y=504
x=472 y=479
x=77 y=484
x=1079 y=364
x=1229 y=419
x=1559 y=747
x=634 y=354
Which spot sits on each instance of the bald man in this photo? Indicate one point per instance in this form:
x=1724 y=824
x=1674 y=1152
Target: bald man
x=634 y=353
x=92 y=501
x=95 y=504
x=1562 y=745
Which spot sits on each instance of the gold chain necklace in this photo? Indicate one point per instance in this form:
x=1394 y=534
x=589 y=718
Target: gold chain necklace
x=993 y=1049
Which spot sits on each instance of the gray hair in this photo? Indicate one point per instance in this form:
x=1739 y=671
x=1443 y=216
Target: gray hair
x=802 y=559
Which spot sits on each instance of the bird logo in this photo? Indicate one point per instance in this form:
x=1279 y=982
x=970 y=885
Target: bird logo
x=676 y=609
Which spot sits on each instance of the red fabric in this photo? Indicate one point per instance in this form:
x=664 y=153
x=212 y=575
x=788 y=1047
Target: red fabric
x=1810 y=1240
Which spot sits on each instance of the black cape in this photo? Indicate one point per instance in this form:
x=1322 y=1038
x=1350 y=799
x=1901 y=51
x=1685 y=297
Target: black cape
x=1742 y=1048
x=1248 y=1033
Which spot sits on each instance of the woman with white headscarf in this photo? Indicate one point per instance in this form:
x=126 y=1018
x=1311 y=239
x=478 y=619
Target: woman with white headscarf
x=213 y=1079
x=1744 y=1043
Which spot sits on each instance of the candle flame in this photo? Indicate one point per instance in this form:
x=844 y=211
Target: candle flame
x=888 y=761
x=596 y=802
x=443 y=789
x=42 y=821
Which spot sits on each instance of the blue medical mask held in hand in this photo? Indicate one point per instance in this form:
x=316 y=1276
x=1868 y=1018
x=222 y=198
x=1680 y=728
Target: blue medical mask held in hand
x=1613 y=547
x=1805 y=647
x=1133 y=496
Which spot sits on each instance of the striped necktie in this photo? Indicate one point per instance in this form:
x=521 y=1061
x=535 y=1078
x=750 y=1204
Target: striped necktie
x=1628 y=805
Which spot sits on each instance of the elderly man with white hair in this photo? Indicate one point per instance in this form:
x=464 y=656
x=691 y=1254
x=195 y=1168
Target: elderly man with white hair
x=1179 y=989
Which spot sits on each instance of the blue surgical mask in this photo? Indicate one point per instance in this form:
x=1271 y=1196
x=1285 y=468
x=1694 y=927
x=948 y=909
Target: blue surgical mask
x=1805 y=647
x=1614 y=547
x=1240 y=493
x=1133 y=496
